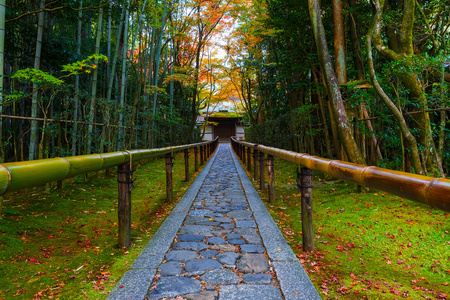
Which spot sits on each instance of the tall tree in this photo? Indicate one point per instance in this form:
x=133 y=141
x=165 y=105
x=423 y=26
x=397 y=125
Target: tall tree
x=2 y=62
x=92 y=101
x=389 y=103
x=157 y=61
x=34 y=135
x=402 y=49
x=77 y=83
x=121 y=131
x=332 y=85
x=339 y=42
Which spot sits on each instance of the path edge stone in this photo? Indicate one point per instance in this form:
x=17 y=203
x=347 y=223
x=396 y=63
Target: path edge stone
x=137 y=280
x=290 y=273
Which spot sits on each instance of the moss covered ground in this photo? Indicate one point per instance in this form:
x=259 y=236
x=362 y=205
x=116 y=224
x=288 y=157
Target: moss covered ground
x=62 y=244
x=368 y=245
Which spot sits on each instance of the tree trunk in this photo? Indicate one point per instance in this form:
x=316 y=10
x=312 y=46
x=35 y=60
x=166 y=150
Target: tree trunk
x=404 y=48
x=2 y=62
x=121 y=131
x=395 y=111
x=322 y=114
x=355 y=38
x=157 y=60
x=339 y=42
x=77 y=85
x=94 y=85
x=344 y=127
x=34 y=135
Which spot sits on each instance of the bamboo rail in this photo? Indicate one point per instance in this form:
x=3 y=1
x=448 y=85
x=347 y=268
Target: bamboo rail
x=20 y=175
x=432 y=191
x=25 y=174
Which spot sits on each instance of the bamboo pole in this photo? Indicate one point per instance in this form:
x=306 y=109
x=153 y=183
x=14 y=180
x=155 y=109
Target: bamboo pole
x=428 y=190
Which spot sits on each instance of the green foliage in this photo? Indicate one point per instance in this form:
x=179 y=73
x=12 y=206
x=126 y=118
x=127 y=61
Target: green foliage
x=284 y=131
x=416 y=64
x=36 y=77
x=85 y=65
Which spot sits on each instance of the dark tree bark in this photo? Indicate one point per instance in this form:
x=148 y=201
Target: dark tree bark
x=344 y=127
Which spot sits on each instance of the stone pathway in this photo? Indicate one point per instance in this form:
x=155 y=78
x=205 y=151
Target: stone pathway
x=226 y=247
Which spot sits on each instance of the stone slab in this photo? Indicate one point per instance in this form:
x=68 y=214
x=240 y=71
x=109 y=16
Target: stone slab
x=261 y=278
x=200 y=266
x=206 y=295
x=170 y=268
x=249 y=248
x=228 y=258
x=249 y=292
x=190 y=238
x=197 y=229
x=253 y=263
x=173 y=287
x=195 y=246
x=220 y=277
x=181 y=255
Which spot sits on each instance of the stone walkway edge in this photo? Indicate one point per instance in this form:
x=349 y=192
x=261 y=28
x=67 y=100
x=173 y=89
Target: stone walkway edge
x=293 y=280
x=136 y=282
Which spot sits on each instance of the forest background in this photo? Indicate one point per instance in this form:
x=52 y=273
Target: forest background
x=360 y=81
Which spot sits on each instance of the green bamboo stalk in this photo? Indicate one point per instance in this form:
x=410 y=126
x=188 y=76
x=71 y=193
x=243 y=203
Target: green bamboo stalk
x=2 y=61
x=94 y=83
x=121 y=131
x=157 y=60
x=34 y=136
x=77 y=84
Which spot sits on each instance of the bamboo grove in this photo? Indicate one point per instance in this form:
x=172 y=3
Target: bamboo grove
x=362 y=81
x=83 y=77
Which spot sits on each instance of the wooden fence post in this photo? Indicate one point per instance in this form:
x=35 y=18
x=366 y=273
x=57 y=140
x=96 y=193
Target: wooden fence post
x=249 y=159
x=262 y=184
x=201 y=155
x=305 y=188
x=169 y=184
x=255 y=163
x=186 y=164
x=271 y=178
x=124 y=207
x=244 y=156
x=196 y=158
